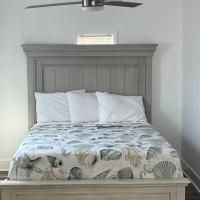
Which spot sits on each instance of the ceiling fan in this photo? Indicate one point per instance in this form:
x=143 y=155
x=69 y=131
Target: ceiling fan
x=92 y=5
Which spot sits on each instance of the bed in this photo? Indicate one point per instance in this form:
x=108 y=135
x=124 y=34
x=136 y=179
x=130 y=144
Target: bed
x=93 y=160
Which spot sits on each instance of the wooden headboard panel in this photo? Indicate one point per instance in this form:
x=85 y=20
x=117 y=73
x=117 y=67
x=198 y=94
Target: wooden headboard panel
x=119 y=69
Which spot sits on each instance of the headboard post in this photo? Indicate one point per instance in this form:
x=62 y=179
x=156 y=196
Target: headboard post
x=124 y=69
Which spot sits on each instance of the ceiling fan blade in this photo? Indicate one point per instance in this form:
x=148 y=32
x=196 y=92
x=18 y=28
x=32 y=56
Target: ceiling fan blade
x=122 y=4
x=54 y=4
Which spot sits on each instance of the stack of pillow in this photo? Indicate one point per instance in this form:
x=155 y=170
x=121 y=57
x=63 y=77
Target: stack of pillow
x=79 y=106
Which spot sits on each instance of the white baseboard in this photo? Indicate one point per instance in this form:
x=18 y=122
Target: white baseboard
x=191 y=174
x=4 y=164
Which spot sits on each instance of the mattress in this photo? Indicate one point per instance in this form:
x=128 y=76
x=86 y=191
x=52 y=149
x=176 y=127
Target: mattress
x=94 y=151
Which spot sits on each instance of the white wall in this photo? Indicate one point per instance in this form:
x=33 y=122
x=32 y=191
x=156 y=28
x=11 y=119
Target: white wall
x=157 y=21
x=13 y=84
x=191 y=85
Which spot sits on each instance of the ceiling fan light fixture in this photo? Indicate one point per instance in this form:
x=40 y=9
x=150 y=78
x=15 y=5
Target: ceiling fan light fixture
x=93 y=8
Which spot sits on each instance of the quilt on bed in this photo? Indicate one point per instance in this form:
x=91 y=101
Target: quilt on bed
x=94 y=151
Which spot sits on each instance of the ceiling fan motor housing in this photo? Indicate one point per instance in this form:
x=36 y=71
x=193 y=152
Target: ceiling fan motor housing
x=92 y=3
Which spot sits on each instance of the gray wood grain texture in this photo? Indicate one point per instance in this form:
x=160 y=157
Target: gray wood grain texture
x=120 y=69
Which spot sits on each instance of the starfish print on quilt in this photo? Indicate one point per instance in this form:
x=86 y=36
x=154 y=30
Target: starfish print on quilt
x=30 y=165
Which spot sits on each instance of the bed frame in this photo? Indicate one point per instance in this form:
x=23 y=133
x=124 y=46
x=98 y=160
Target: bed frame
x=119 y=69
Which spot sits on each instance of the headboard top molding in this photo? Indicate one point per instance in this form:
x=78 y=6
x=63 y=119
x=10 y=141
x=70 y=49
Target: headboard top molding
x=93 y=50
x=124 y=69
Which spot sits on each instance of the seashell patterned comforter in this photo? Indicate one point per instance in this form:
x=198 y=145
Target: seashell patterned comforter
x=94 y=151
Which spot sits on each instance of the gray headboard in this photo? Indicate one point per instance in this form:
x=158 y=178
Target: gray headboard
x=120 y=69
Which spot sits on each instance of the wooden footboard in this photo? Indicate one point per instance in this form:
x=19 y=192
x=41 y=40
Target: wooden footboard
x=97 y=190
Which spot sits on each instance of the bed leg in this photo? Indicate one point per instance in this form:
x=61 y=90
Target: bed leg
x=180 y=193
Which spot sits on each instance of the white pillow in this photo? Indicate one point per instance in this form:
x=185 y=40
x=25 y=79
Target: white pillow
x=83 y=107
x=116 y=108
x=52 y=107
